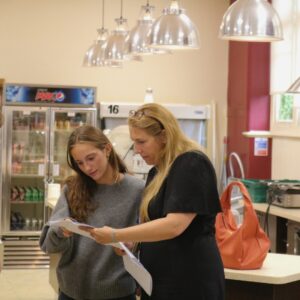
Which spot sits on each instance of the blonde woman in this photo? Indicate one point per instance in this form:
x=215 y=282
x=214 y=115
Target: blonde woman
x=102 y=192
x=180 y=202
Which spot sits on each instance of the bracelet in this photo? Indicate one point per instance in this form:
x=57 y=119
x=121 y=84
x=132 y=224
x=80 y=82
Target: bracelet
x=113 y=236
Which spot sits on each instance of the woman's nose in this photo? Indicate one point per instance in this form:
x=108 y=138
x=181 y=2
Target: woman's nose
x=136 y=149
x=86 y=166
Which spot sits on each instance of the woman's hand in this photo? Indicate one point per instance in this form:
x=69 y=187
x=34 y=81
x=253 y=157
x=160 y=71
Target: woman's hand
x=66 y=233
x=122 y=252
x=118 y=251
x=103 y=235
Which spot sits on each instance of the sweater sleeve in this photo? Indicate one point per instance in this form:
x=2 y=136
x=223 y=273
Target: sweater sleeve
x=52 y=239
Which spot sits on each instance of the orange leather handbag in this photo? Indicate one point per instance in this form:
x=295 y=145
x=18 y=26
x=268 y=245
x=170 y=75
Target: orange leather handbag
x=242 y=247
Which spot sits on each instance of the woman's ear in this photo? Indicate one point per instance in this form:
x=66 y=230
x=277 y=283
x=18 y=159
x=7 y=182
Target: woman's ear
x=108 y=148
x=163 y=136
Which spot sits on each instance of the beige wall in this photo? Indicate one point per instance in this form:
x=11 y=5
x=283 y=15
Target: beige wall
x=285 y=160
x=44 y=41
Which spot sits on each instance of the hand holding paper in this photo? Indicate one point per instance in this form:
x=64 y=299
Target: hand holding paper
x=72 y=226
x=131 y=263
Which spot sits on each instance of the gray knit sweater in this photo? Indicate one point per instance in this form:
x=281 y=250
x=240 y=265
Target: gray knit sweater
x=88 y=270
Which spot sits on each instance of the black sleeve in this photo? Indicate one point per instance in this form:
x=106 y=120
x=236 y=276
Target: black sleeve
x=191 y=186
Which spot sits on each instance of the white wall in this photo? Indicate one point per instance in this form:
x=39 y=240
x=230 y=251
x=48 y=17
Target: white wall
x=284 y=70
x=44 y=41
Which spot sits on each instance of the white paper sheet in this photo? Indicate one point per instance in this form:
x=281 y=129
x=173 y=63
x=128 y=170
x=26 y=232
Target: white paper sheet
x=72 y=226
x=137 y=270
x=131 y=263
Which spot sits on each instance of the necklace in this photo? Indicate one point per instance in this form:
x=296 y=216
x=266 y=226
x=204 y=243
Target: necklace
x=117 y=177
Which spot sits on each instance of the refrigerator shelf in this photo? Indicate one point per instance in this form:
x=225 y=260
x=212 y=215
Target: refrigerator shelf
x=20 y=234
x=27 y=176
x=27 y=202
x=27 y=131
x=64 y=131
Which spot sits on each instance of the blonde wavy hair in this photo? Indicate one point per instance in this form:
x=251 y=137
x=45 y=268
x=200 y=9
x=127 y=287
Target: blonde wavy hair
x=155 y=119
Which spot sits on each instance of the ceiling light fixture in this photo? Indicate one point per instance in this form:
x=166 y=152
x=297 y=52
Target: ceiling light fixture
x=139 y=36
x=117 y=49
x=251 y=21
x=174 y=30
x=95 y=55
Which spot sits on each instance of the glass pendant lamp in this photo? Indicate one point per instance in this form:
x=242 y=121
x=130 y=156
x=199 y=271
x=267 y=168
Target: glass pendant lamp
x=174 y=30
x=251 y=21
x=94 y=56
x=117 y=49
x=139 y=36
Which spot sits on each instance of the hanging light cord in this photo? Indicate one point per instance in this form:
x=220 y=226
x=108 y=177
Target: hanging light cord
x=121 y=9
x=103 y=4
x=147 y=7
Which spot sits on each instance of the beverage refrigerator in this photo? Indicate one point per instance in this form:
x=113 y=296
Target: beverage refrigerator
x=196 y=121
x=38 y=122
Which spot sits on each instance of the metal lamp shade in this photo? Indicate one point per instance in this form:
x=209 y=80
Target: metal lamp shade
x=139 y=36
x=117 y=48
x=139 y=40
x=95 y=55
x=251 y=21
x=174 y=30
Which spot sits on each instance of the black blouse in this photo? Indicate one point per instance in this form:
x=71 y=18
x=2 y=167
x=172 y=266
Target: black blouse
x=188 y=266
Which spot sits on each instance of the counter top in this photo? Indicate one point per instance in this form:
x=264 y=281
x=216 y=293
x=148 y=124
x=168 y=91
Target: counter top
x=276 y=269
x=287 y=213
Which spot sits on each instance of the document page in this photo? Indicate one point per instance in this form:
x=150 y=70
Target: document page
x=72 y=226
x=137 y=270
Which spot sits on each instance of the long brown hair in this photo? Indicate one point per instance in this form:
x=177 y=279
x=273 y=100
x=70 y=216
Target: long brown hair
x=80 y=186
x=155 y=119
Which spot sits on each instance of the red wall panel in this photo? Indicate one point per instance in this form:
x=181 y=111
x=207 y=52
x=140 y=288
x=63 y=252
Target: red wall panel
x=249 y=103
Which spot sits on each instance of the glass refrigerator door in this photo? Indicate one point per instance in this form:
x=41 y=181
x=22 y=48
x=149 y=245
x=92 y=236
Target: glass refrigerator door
x=63 y=122
x=25 y=158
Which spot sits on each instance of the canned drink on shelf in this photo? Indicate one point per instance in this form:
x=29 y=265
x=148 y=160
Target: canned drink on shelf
x=40 y=224
x=34 y=224
x=27 y=224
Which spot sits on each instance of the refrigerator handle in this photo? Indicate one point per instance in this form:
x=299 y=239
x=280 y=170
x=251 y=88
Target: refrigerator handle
x=49 y=178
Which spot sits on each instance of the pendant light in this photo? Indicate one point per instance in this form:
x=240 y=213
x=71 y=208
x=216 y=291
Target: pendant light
x=117 y=49
x=139 y=36
x=94 y=56
x=251 y=21
x=174 y=30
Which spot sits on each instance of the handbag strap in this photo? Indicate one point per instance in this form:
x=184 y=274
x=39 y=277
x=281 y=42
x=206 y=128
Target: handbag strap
x=226 y=195
x=250 y=221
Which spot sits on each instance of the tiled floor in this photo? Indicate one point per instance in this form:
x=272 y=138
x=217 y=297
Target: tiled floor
x=26 y=285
